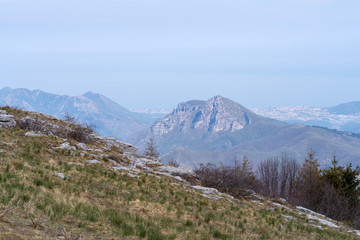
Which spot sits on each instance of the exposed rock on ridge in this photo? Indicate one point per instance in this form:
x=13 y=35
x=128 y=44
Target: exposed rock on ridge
x=6 y=120
x=216 y=115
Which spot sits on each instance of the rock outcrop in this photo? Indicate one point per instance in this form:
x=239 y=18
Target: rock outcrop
x=6 y=120
x=216 y=115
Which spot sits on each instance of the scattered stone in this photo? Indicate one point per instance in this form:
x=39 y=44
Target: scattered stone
x=60 y=175
x=34 y=134
x=75 y=163
x=97 y=150
x=132 y=175
x=206 y=190
x=101 y=156
x=172 y=176
x=93 y=161
x=322 y=221
x=82 y=146
x=302 y=210
x=288 y=218
x=6 y=120
x=112 y=142
x=51 y=117
x=66 y=146
x=281 y=227
x=2 y=151
x=40 y=125
x=176 y=171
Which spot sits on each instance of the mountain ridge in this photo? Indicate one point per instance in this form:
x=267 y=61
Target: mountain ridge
x=110 y=118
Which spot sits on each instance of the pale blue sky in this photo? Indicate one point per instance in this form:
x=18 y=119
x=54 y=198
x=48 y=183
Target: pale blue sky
x=155 y=54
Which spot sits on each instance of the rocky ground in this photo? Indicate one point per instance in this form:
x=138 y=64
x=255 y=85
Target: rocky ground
x=56 y=187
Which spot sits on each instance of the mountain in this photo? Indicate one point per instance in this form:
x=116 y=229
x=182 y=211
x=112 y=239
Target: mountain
x=220 y=130
x=110 y=118
x=346 y=108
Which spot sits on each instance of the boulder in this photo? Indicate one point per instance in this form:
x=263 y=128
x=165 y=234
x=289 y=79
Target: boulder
x=82 y=146
x=6 y=120
x=66 y=146
x=60 y=175
x=34 y=134
x=93 y=161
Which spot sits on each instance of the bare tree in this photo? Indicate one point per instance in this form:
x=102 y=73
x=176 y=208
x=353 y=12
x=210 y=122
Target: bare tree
x=151 y=149
x=293 y=170
x=269 y=176
x=289 y=169
x=236 y=180
x=278 y=176
x=71 y=119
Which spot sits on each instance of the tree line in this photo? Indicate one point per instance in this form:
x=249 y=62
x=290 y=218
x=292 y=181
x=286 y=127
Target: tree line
x=333 y=191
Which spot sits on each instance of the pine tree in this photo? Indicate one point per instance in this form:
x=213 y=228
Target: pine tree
x=309 y=182
x=344 y=180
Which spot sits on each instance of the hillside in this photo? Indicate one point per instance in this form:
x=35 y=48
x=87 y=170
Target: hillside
x=220 y=130
x=346 y=108
x=110 y=118
x=54 y=187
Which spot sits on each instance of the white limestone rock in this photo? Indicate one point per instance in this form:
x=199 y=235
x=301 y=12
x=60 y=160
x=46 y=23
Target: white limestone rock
x=66 y=146
x=82 y=146
x=34 y=134
x=93 y=161
x=6 y=120
x=60 y=175
x=176 y=171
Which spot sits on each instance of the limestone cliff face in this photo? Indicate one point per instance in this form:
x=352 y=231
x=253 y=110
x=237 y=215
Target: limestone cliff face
x=216 y=115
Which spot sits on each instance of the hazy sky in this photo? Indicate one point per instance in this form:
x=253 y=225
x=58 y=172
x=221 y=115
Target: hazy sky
x=157 y=53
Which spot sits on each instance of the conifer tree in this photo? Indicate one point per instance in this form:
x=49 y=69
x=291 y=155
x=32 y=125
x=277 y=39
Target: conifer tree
x=309 y=183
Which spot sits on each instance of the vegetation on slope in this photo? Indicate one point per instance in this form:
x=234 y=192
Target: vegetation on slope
x=94 y=201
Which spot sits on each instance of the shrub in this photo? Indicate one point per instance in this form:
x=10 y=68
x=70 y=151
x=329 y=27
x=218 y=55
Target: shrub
x=236 y=180
x=31 y=124
x=81 y=133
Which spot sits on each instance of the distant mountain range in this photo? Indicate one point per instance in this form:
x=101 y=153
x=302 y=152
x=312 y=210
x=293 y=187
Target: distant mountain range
x=216 y=130
x=220 y=130
x=110 y=118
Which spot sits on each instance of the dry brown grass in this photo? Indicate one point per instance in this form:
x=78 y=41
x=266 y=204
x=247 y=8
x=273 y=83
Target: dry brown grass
x=99 y=203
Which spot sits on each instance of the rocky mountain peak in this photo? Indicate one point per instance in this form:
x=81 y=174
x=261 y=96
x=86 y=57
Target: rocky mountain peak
x=216 y=115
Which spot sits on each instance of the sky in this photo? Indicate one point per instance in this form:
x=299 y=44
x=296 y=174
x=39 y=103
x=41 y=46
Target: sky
x=154 y=54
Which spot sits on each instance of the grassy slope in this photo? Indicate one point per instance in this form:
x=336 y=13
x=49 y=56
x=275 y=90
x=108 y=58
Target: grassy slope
x=99 y=203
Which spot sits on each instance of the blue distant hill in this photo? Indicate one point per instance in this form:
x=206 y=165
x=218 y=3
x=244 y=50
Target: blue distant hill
x=110 y=118
x=346 y=108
